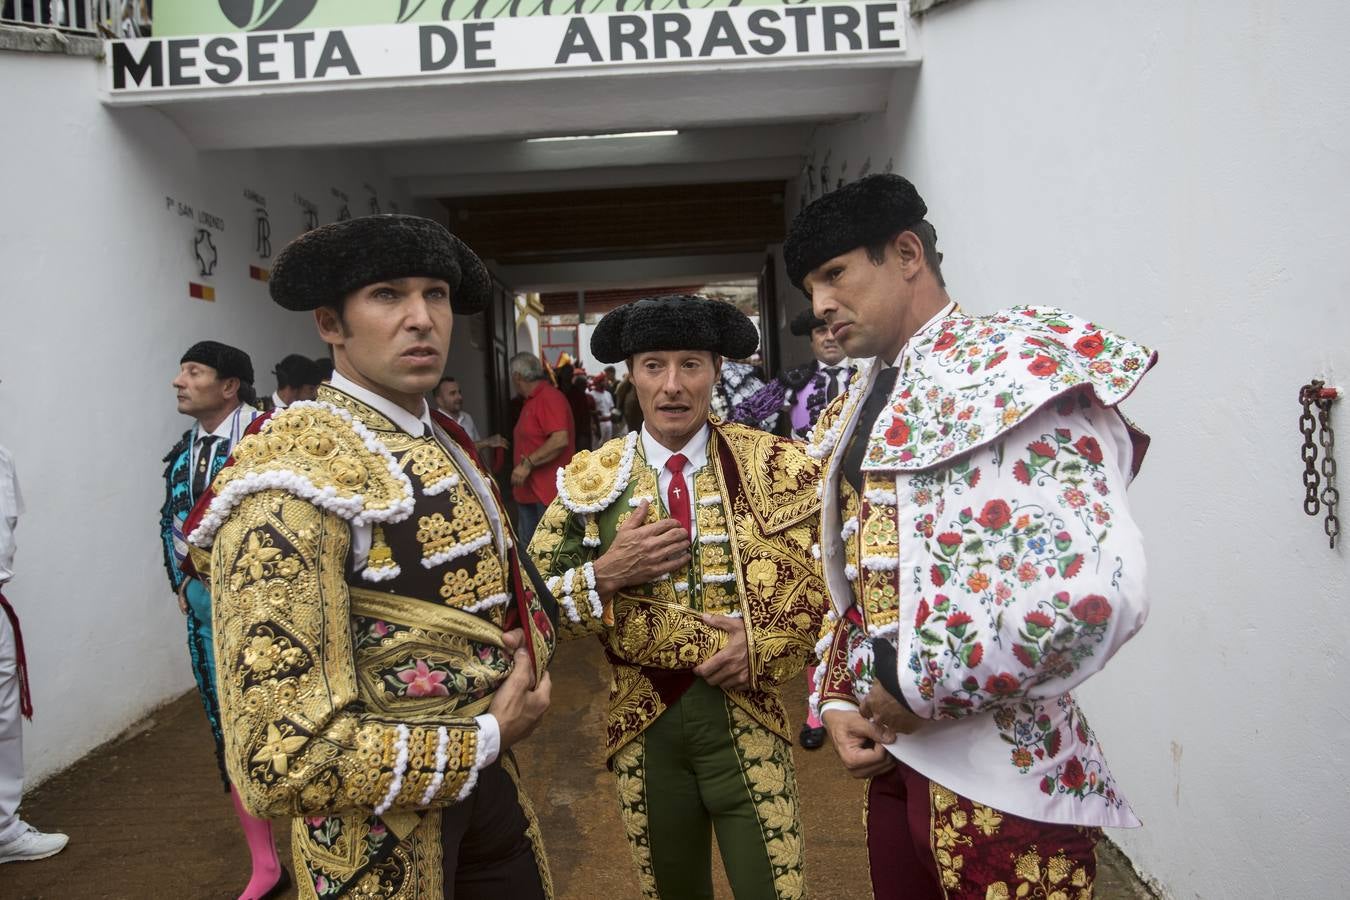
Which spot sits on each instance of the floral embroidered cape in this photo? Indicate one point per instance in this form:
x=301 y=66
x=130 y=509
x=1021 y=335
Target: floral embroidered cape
x=993 y=546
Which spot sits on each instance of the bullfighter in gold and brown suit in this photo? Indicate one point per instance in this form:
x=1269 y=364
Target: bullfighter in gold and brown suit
x=378 y=646
x=687 y=547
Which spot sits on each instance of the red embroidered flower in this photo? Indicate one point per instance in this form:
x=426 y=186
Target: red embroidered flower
x=922 y=615
x=1026 y=573
x=1092 y=610
x=898 y=434
x=949 y=539
x=542 y=623
x=1023 y=655
x=975 y=654
x=1073 y=777
x=957 y=620
x=1041 y=448
x=1043 y=367
x=1090 y=345
x=1021 y=758
x=1002 y=683
x=945 y=341
x=1040 y=620
x=995 y=515
x=1090 y=450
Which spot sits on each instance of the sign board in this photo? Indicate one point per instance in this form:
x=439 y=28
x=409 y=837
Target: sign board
x=176 y=18
x=739 y=35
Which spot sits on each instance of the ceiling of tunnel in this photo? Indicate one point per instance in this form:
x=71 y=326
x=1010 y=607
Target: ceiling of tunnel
x=616 y=223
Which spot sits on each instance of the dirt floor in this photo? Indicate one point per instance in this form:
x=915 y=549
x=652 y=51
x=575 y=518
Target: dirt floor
x=147 y=817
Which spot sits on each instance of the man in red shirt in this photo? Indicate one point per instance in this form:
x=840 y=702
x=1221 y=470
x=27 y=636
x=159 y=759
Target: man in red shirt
x=544 y=437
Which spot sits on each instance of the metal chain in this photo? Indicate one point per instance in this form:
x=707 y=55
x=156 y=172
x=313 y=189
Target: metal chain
x=1331 y=496
x=1307 y=424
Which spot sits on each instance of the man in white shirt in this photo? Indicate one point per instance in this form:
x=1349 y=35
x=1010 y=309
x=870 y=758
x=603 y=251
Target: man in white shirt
x=604 y=408
x=18 y=840
x=979 y=553
x=450 y=400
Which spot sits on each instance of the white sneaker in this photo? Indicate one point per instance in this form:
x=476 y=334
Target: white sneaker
x=32 y=844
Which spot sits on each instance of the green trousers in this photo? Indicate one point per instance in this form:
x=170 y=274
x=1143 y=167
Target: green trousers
x=706 y=765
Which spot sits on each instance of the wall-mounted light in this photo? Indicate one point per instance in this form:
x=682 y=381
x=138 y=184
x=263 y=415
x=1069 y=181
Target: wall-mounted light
x=603 y=137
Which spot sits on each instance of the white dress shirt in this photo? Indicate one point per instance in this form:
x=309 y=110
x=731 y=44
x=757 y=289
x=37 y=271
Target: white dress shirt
x=695 y=453
x=11 y=507
x=489 y=731
x=229 y=430
x=465 y=421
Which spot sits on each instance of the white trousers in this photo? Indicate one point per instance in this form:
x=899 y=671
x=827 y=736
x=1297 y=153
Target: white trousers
x=11 y=735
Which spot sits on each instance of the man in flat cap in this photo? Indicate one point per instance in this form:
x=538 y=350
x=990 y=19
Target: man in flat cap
x=298 y=378
x=687 y=547
x=979 y=551
x=214 y=386
x=380 y=646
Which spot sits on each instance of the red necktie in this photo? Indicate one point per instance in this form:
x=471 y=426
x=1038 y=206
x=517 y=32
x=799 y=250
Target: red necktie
x=677 y=495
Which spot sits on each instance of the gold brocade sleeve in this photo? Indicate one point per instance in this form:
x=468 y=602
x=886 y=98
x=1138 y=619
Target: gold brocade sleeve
x=561 y=554
x=298 y=738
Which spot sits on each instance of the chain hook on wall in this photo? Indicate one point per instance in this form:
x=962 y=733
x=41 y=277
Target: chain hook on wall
x=1319 y=486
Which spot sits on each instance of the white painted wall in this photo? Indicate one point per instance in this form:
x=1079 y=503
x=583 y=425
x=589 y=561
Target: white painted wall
x=1178 y=172
x=94 y=315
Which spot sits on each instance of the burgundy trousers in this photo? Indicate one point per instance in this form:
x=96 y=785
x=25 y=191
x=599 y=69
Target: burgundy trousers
x=925 y=842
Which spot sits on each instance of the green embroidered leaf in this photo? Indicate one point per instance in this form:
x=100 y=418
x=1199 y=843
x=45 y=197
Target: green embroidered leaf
x=929 y=638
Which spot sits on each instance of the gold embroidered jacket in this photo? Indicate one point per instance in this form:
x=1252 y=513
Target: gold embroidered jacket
x=348 y=698
x=757 y=519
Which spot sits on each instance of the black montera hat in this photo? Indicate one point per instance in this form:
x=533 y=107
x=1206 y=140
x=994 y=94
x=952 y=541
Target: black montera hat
x=804 y=323
x=324 y=265
x=859 y=213
x=295 y=370
x=674 y=322
x=229 y=362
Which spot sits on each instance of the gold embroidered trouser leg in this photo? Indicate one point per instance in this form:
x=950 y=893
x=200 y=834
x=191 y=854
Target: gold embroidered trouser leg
x=705 y=766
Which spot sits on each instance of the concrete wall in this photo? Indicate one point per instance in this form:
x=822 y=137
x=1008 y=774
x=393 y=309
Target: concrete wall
x=1178 y=172
x=94 y=314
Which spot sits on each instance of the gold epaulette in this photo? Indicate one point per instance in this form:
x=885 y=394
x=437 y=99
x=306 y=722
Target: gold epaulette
x=593 y=480
x=319 y=453
x=778 y=476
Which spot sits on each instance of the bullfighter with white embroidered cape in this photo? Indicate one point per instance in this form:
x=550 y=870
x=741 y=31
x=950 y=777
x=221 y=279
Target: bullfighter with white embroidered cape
x=980 y=554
